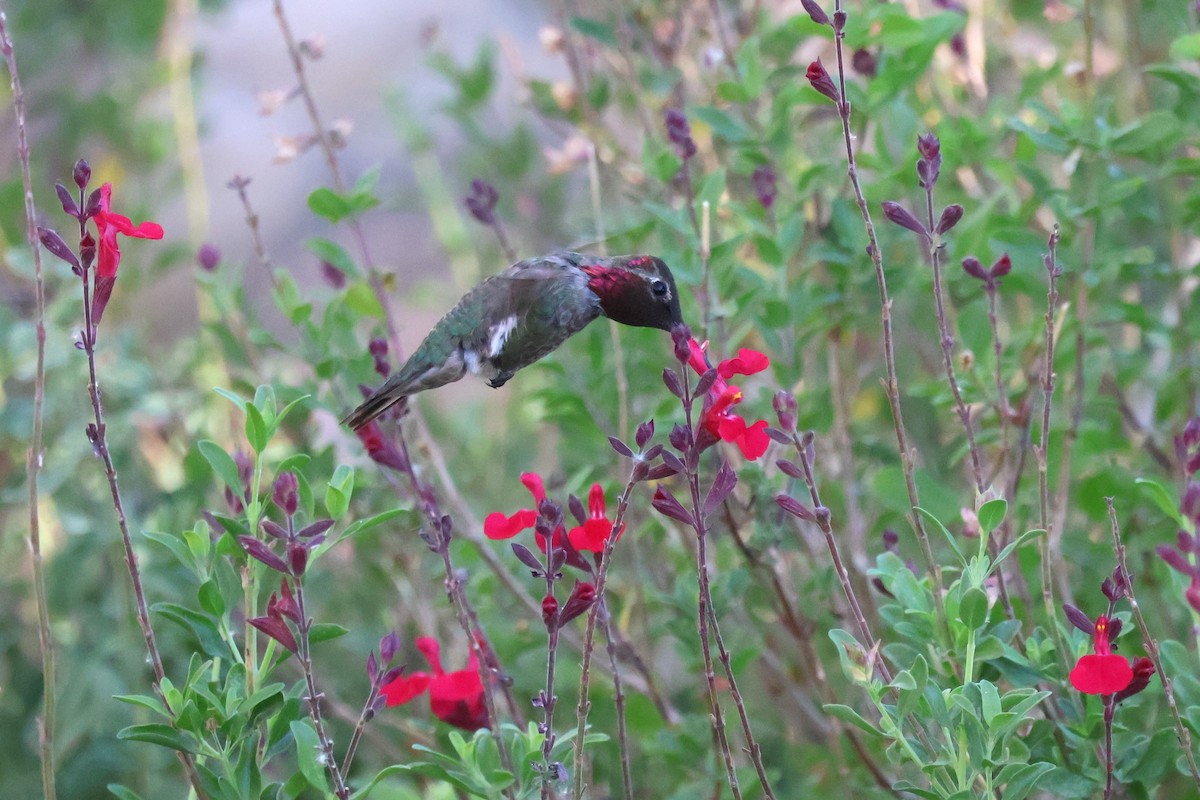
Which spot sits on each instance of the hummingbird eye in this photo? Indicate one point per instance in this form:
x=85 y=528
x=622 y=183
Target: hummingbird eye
x=658 y=287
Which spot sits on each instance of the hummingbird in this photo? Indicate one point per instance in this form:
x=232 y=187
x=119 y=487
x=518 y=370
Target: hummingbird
x=517 y=316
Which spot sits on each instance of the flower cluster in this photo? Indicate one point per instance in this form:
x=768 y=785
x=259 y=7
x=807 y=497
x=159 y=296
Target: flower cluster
x=454 y=697
x=590 y=535
x=719 y=418
x=104 y=248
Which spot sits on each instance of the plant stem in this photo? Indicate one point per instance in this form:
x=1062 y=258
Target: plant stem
x=98 y=437
x=892 y=383
x=1041 y=451
x=548 y=698
x=33 y=457
x=314 y=697
x=584 y=706
x=439 y=541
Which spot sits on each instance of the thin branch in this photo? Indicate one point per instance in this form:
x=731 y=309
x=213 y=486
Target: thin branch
x=892 y=383
x=33 y=457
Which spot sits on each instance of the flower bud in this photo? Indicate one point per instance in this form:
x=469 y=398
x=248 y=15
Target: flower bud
x=82 y=173
x=820 y=80
x=285 y=493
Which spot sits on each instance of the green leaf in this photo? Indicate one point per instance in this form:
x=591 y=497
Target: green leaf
x=991 y=514
x=222 y=464
x=723 y=124
x=594 y=29
x=1162 y=498
x=256 y=429
x=990 y=701
x=949 y=536
x=334 y=253
x=849 y=715
x=307 y=750
x=365 y=524
x=1013 y=545
x=1186 y=47
x=145 y=701
x=973 y=608
x=211 y=599
x=324 y=631
x=160 y=734
x=1019 y=780
x=325 y=202
x=232 y=397
x=339 y=491
x=122 y=792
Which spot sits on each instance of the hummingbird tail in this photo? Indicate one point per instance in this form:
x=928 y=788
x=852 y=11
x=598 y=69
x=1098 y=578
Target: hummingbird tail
x=371 y=408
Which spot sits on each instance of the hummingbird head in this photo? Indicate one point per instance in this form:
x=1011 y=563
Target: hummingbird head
x=636 y=290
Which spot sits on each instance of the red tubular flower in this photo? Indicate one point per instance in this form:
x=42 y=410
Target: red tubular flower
x=593 y=534
x=719 y=418
x=497 y=526
x=108 y=225
x=454 y=697
x=1101 y=672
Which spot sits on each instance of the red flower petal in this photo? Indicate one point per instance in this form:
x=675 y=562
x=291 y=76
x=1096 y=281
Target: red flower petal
x=592 y=535
x=533 y=482
x=752 y=440
x=747 y=362
x=697 y=358
x=1101 y=674
x=405 y=688
x=498 y=526
x=432 y=651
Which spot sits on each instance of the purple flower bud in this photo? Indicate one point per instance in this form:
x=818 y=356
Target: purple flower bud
x=82 y=173
x=1079 y=619
x=388 y=645
x=645 y=431
x=820 y=80
x=297 y=553
x=208 y=256
x=764 y=186
x=581 y=599
x=481 y=202
x=285 y=493
x=379 y=349
x=951 y=214
x=928 y=146
x=891 y=540
x=1002 y=267
x=899 y=215
x=815 y=12
x=55 y=245
x=972 y=267
x=679 y=133
x=864 y=62
x=332 y=275
x=67 y=199
x=795 y=507
x=260 y=552
x=785 y=408
x=278 y=630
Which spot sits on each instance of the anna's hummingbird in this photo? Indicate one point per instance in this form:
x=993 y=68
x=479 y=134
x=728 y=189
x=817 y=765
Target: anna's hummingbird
x=522 y=314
